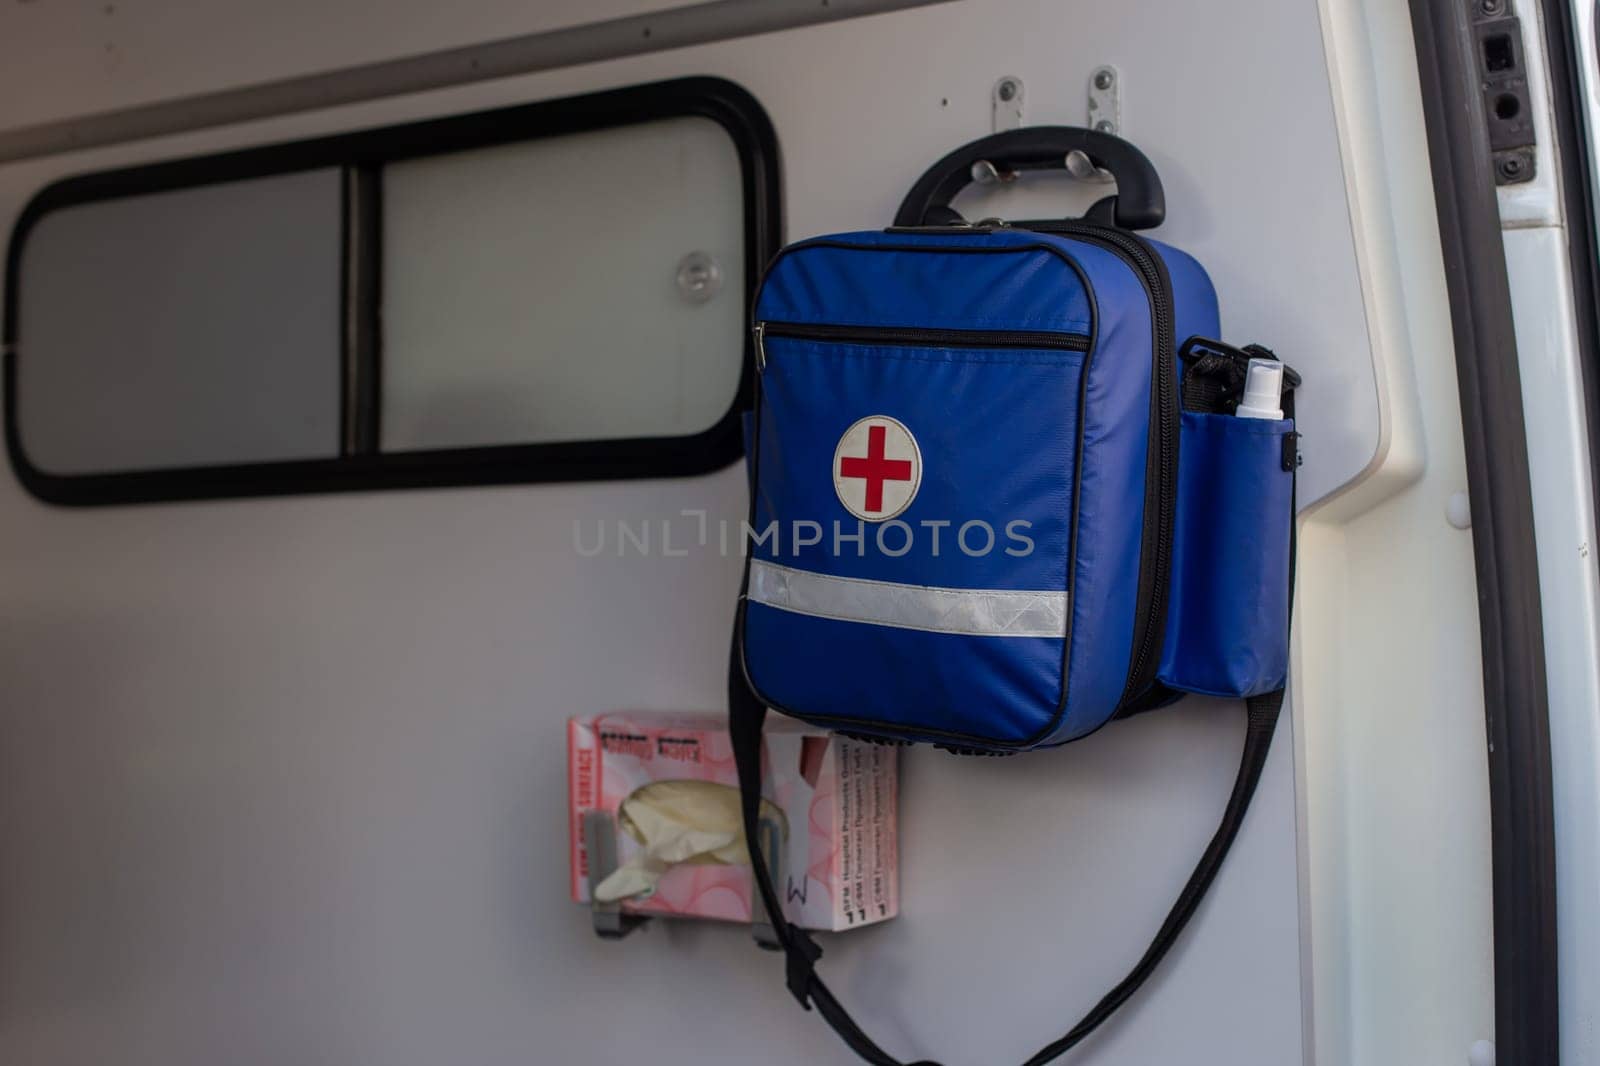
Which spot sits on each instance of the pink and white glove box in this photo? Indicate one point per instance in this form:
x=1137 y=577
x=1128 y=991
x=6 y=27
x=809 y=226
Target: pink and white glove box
x=832 y=797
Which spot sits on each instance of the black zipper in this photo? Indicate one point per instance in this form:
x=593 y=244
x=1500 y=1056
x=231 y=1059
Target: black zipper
x=934 y=338
x=1156 y=552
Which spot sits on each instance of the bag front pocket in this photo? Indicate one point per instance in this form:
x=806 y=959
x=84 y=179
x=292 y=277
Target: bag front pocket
x=910 y=556
x=1228 y=613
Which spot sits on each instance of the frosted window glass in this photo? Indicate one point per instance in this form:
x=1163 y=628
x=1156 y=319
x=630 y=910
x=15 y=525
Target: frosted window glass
x=530 y=291
x=198 y=327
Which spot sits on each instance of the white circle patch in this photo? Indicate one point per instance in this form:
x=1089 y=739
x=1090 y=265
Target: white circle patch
x=877 y=468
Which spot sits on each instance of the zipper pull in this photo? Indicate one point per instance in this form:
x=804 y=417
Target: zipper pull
x=760 y=331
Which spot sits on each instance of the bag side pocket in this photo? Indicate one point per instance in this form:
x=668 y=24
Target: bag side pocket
x=1228 y=610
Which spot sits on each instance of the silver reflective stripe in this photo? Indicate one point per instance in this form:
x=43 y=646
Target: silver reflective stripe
x=972 y=612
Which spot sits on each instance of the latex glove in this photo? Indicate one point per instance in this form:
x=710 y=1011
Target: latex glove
x=696 y=822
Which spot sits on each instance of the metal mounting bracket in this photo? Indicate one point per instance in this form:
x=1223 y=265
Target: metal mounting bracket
x=1105 y=115
x=611 y=922
x=770 y=851
x=1105 y=99
x=1006 y=103
x=1507 y=102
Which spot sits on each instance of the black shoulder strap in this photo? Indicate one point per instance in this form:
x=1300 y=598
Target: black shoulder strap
x=746 y=715
x=803 y=952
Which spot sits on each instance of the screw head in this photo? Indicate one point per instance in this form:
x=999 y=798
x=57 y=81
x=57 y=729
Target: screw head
x=1513 y=167
x=1105 y=125
x=1007 y=90
x=1103 y=79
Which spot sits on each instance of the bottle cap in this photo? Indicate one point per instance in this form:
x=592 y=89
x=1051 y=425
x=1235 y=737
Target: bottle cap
x=1263 y=390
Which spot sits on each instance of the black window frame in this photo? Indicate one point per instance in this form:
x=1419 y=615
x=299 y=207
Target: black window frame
x=360 y=155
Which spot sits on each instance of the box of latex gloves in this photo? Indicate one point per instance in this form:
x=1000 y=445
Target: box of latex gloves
x=668 y=783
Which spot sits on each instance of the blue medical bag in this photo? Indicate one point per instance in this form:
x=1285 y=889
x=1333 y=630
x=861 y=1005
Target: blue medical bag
x=1001 y=493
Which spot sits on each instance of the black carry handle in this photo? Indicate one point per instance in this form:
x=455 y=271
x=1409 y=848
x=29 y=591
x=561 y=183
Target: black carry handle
x=1139 y=203
x=746 y=716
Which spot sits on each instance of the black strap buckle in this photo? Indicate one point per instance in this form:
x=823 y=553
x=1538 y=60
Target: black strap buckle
x=801 y=967
x=1197 y=348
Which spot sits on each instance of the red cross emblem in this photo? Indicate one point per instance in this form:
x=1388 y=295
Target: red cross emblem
x=877 y=468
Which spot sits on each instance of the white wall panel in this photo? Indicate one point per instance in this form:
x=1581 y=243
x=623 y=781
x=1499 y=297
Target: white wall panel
x=71 y=57
x=282 y=780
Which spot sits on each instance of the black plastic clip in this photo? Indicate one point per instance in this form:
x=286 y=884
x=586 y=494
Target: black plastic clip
x=801 y=967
